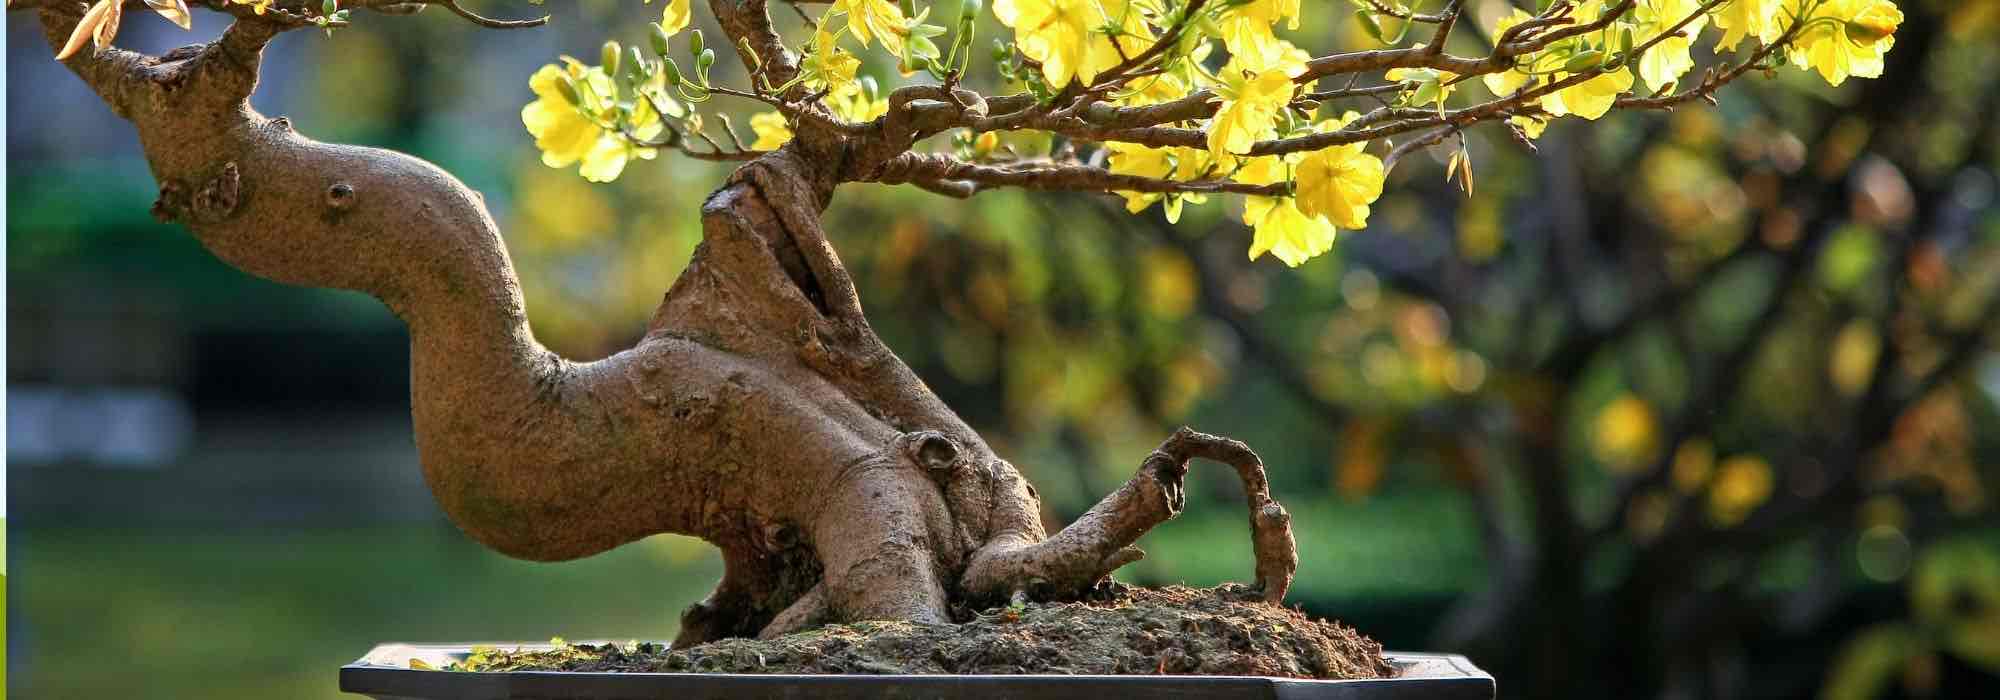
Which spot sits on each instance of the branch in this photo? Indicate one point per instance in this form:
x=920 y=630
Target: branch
x=1144 y=125
x=488 y=22
x=1045 y=175
x=757 y=44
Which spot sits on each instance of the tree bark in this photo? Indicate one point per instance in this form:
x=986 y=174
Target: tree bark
x=760 y=412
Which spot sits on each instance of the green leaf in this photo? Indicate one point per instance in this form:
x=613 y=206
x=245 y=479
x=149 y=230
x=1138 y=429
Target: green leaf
x=1870 y=660
x=1977 y=641
x=1370 y=24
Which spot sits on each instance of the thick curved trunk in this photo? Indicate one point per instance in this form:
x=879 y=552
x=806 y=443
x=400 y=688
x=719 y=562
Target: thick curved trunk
x=760 y=412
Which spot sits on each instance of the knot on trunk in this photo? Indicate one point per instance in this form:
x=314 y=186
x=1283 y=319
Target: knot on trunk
x=213 y=202
x=931 y=450
x=217 y=200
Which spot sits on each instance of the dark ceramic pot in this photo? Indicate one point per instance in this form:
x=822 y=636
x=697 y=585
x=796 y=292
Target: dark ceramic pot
x=385 y=674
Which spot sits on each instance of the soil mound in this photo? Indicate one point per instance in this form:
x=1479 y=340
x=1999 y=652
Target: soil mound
x=1210 y=631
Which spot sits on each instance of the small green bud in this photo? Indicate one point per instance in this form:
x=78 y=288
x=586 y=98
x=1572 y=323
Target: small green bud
x=696 y=44
x=672 y=69
x=635 y=64
x=660 y=39
x=701 y=64
x=608 y=57
x=1584 y=61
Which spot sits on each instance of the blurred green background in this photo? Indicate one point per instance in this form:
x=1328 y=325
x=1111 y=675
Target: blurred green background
x=1699 y=404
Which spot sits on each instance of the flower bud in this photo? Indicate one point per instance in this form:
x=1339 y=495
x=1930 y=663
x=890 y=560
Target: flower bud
x=608 y=57
x=659 y=38
x=1584 y=61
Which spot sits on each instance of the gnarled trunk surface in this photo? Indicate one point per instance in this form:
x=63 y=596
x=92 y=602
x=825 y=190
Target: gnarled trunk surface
x=760 y=412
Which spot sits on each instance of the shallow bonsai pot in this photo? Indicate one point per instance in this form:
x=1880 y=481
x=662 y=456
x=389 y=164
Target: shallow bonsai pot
x=385 y=674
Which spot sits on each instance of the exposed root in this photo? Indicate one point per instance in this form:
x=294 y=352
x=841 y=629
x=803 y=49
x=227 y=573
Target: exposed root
x=1099 y=542
x=809 y=611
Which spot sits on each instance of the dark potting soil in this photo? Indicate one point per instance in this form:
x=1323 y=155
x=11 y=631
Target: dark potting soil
x=1227 y=630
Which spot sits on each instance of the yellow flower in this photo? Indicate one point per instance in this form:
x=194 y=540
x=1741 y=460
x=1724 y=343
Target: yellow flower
x=1253 y=93
x=674 y=16
x=1532 y=127
x=1432 y=87
x=1339 y=183
x=1667 y=61
x=1143 y=161
x=853 y=104
x=1064 y=36
x=1247 y=28
x=1277 y=225
x=561 y=131
x=1589 y=99
x=257 y=5
x=1746 y=18
x=1851 y=43
x=1506 y=82
x=826 y=65
x=875 y=19
x=1287 y=233
x=1177 y=163
x=567 y=134
x=1875 y=22
x=772 y=130
x=1155 y=89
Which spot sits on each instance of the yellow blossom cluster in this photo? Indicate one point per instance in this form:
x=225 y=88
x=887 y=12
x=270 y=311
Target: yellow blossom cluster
x=1304 y=178
x=569 y=118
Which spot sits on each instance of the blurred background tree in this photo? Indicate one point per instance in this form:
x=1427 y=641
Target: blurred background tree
x=1697 y=404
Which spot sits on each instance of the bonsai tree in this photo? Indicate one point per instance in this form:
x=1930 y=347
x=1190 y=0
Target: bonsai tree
x=760 y=412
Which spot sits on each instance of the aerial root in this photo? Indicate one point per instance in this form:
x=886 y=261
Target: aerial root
x=1074 y=560
x=1270 y=525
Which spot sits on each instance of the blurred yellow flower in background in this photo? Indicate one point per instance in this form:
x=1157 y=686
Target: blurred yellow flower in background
x=1627 y=434
x=1741 y=484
